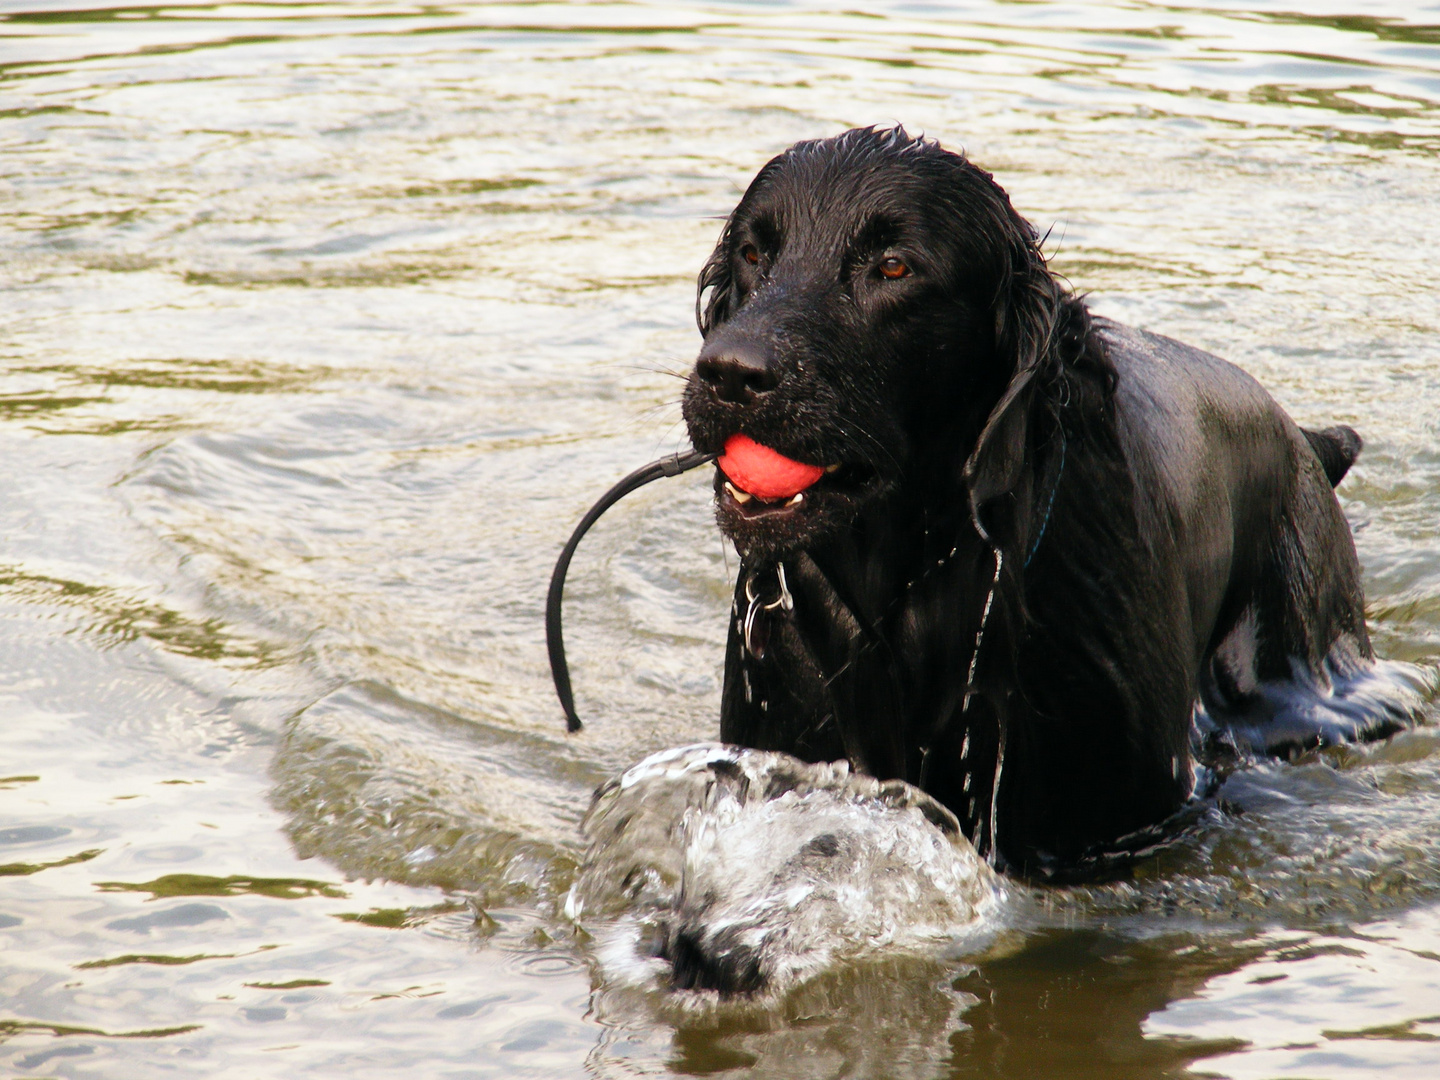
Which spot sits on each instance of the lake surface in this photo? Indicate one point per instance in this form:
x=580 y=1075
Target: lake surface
x=324 y=322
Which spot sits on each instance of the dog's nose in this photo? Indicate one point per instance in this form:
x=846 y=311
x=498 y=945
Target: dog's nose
x=735 y=374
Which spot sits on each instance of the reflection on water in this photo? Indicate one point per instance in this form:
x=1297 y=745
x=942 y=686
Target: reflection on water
x=323 y=324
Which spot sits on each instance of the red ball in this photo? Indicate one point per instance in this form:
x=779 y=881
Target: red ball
x=764 y=472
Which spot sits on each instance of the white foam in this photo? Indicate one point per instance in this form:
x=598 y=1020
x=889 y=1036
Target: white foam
x=762 y=862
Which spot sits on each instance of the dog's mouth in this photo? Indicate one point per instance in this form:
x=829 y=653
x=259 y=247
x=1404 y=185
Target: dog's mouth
x=839 y=479
x=767 y=502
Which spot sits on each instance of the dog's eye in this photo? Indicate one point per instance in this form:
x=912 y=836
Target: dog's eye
x=894 y=269
x=750 y=254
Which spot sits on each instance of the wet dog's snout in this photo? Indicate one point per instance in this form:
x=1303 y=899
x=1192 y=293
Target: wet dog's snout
x=735 y=372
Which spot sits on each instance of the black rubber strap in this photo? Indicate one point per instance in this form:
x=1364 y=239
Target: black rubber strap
x=554 y=641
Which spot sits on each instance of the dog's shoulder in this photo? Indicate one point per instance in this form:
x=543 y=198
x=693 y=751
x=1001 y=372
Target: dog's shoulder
x=1167 y=388
x=1197 y=430
x=1160 y=364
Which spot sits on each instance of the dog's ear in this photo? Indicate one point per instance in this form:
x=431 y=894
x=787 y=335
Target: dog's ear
x=715 y=276
x=1027 y=308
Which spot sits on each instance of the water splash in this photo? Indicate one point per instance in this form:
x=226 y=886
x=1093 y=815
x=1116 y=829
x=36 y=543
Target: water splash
x=715 y=868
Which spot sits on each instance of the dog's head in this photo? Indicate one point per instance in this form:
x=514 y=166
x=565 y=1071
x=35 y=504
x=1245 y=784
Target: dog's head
x=873 y=307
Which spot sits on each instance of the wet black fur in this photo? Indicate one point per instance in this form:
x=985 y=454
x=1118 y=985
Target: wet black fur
x=1167 y=533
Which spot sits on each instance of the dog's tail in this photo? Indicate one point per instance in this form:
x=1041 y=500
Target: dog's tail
x=1337 y=448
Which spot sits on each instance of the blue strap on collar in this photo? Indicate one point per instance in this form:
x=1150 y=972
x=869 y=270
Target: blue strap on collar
x=1049 y=506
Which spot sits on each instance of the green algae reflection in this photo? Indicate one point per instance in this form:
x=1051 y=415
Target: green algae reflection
x=117 y=617
x=162 y=960
x=293 y=984
x=20 y=869
x=171 y=885
x=10 y=1028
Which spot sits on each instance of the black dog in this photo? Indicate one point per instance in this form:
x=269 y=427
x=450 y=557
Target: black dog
x=1047 y=549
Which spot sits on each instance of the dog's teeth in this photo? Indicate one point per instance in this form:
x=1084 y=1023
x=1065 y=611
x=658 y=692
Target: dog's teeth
x=797 y=500
x=741 y=497
x=832 y=468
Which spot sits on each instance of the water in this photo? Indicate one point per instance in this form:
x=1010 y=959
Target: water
x=325 y=322
x=712 y=868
